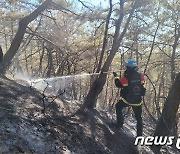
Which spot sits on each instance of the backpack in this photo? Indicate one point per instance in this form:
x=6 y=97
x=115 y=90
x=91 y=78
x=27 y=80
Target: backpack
x=134 y=89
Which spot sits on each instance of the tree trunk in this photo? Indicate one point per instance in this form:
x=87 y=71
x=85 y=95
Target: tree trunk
x=168 y=117
x=105 y=37
x=16 y=42
x=173 y=55
x=98 y=84
x=50 y=62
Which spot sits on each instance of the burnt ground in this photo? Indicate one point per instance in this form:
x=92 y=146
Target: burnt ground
x=25 y=127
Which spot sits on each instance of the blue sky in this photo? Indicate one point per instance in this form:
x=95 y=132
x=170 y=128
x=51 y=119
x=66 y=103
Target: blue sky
x=103 y=3
x=97 y=2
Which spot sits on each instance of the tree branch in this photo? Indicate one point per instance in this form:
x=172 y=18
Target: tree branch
x=16 y=42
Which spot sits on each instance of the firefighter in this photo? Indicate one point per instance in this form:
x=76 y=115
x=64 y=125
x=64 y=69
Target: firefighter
x=132 y=90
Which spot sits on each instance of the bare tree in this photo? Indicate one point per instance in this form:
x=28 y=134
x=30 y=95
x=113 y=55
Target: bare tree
x=105 y=37
x=16 y=42
x=97 y=86
x=168 y=116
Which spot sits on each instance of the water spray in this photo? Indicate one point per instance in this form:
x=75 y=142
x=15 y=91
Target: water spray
x=72 y=76
x=53 y=84
x=113 y=71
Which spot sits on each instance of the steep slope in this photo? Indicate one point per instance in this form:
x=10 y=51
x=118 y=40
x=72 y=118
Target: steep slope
x=26 y=129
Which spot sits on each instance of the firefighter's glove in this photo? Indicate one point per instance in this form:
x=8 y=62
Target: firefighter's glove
x=115 y=74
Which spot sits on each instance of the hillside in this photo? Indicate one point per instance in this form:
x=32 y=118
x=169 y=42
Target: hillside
x=57 y=57
x=26 y=129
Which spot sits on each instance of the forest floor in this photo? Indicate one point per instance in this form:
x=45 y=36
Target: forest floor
x=27 y=128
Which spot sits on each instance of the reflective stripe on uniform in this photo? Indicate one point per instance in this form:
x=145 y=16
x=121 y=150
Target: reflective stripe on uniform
x=138 y=104
x=116 y=78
